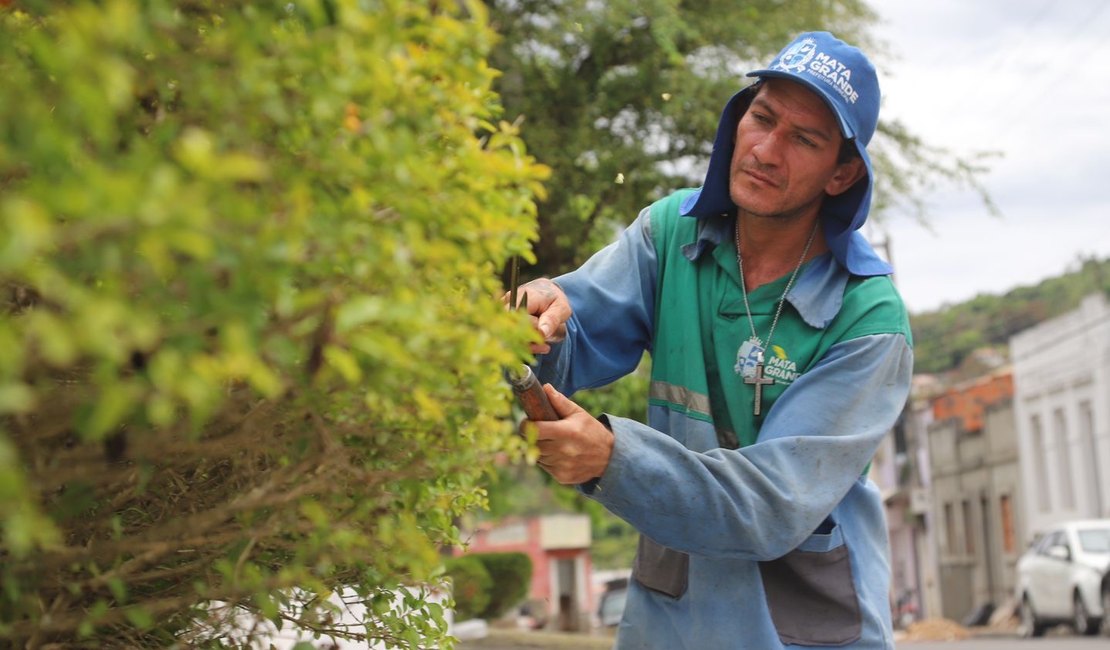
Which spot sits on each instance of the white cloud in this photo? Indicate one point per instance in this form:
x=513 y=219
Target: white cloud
x=1030 y=79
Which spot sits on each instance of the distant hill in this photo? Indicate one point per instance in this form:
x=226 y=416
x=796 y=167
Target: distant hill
x=945 y=338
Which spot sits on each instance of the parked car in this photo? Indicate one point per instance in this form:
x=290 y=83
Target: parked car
x=610 y=606
x=1106 y=602
x=1059 y=579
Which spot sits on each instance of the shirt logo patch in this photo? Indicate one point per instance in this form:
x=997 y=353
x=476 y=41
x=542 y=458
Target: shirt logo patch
x=777 y=365
x=746 y=358
x=780 y=367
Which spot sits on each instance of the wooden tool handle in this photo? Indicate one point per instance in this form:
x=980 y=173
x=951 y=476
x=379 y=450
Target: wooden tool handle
x=529 y=392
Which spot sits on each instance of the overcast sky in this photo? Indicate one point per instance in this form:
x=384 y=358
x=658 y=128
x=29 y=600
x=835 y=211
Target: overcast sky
x=1027 y=78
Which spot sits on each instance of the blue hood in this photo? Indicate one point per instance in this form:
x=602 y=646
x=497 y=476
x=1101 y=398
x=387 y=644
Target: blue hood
x=841 y=215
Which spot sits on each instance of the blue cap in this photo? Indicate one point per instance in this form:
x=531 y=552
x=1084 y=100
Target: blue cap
x=839 y=73
x=845 y=79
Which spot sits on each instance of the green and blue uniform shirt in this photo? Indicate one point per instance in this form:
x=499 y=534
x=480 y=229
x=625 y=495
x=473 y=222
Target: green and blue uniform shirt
x=758 y=532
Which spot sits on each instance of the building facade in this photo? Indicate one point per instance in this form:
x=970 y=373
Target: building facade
x=888 y=469
x=1062 y=406
x=560 y=596
x=976 y=496
x=921 y=486
x=901 y=470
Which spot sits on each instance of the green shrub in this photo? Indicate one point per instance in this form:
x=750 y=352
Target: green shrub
x=249 y=333
x=511 y=577
x=471 y=586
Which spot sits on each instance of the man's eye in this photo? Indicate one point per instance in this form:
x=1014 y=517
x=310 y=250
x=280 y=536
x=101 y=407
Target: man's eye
x=806 y=142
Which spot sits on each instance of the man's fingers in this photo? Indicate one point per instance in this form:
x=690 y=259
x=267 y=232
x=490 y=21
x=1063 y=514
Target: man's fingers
x=553 y=321
x=574 y=448
x=563 y=406
x=550 y=329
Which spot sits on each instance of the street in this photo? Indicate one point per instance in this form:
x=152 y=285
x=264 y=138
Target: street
x=1009 y=643
x=517 y=640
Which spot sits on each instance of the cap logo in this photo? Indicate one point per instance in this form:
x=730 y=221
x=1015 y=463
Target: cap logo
x=836 y=74
x=797 y=56
x=803 y=57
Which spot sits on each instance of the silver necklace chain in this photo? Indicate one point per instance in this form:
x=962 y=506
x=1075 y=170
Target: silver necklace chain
x=789 y=283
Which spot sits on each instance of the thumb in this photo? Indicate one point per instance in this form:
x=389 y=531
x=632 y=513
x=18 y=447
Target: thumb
x=562 y=405
x=547 y=328
x=552 y=321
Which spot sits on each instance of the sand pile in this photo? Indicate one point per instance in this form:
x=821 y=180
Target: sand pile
x=936 y=629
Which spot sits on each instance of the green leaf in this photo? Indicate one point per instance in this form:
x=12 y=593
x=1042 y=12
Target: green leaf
x=114 y=402
x=119 y=591
x=16 y=398
x=240 y=167
x=139 y=617
x=344 y=363
x=359 y=311
x=315 y=513
x=24 y=229
x=76 y=498
x=54 y=339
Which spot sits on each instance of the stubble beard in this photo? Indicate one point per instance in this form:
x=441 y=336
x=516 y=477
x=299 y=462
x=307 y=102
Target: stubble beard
x=781 y=217
x=778 y=215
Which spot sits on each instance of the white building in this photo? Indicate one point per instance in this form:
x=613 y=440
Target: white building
x=1062 y=407
x=900 y=468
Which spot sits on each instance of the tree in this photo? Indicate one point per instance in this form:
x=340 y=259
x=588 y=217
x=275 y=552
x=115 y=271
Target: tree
x=511 y=575
x=470 y=585
x=622 y=99
x=945 y=338
x=250 y=337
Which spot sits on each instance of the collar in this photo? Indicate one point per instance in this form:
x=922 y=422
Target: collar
x=818 y=292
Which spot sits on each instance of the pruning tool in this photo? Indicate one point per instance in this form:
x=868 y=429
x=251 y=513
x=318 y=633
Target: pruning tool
x=529 y=393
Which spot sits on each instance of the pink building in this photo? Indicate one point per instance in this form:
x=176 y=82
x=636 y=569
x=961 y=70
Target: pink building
x=559 y=546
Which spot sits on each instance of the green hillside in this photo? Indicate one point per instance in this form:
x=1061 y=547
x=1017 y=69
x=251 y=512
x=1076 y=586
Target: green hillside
x=944 y=338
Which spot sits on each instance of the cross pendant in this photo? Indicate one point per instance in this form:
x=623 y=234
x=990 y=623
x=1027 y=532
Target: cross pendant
x=759 y=381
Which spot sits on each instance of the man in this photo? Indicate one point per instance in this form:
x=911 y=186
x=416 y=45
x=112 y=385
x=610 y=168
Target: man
x=781 y=355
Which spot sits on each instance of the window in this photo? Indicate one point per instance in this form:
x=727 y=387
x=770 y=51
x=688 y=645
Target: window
x=1067 y=482
x=1040 y=465
x=1095 y=540
x=969 y=529
x=1089 y=451
x=1006 y=510
x=949 y=528
x=1055 y=538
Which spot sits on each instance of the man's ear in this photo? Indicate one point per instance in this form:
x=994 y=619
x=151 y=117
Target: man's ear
x=845 y=176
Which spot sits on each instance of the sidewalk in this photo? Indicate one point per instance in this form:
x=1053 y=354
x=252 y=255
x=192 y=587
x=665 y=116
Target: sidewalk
x=509 y=639
x=500 y=639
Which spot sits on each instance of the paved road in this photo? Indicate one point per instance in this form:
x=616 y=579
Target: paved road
x=1008 y=643
x=523 y=640
x=514 y=640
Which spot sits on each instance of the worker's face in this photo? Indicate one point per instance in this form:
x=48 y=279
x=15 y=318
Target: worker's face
x=785 y=158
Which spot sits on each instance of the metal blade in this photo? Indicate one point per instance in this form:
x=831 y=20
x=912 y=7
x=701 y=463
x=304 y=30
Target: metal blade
x=514 y=273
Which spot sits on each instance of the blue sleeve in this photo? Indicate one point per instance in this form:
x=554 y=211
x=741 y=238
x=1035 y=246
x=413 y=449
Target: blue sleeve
x=612 y=297
x=760 y=501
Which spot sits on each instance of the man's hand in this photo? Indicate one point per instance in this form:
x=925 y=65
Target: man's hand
x=575 y=448
x=549 y=308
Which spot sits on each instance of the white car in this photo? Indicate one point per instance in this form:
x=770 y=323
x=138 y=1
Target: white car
x=1059 y=577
